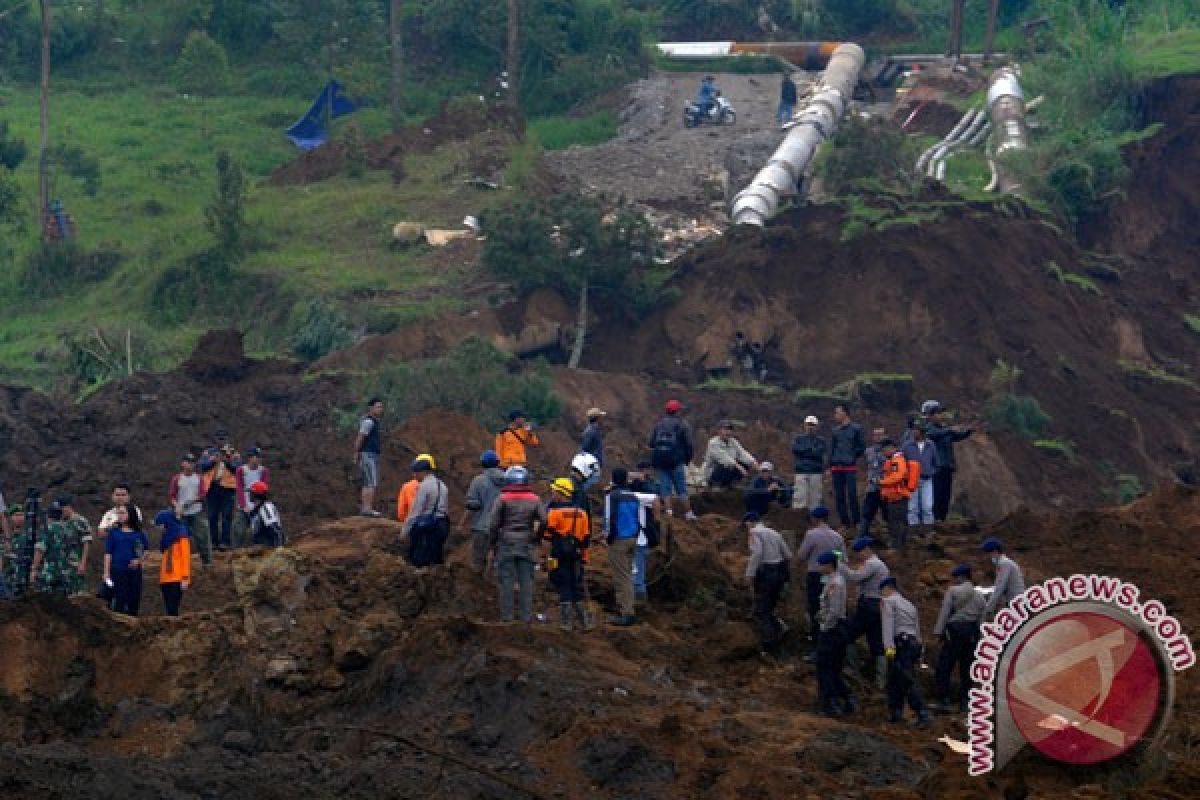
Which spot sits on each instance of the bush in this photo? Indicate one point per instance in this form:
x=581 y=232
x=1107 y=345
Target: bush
x=473 y=379
x=1008 y=411
x=55 y=267
x=12 y=149
x=203 y=67
x=323 y=330
x=1128 y=489
x=871 y=151
x=559 y=133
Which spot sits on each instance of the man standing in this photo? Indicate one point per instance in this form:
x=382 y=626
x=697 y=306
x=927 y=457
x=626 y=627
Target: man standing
x=818 y=540
x=592 y=442
x=427 y=524
x=220 y=495
x=943 y=438
x=768 y=571
x=958 y=628
x=872 y=502
x=787 y=98
x=368 y=444
x=49 y=572
x=893 y=487
x=624 y=523
x=868 y=576
x=833 y=695
x=671 y=450
x=121 y=496
x=512 y=441
x=846 y=447
x=808 y=451
x=518 y=519
x=186 y=493
x=1010 y=582
x=248 y=474
x=726 y=462
x=922 y=451
x=902 y=642
x=481 y=497
x=79 y=542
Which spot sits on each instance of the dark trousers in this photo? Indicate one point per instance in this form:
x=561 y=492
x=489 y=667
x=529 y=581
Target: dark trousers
x=868 y=620
x=172 y=597
x=127 y=591
x=220 y=515
x=812 y=594
x=897 y=523
x=958 y=649
x=831 y=658
x=943 y=490
x=768 y=585
x=872 y=505
x=567 y=579
x=901 y=678
x=724 y=477
x=427 y=542
x=845 y=495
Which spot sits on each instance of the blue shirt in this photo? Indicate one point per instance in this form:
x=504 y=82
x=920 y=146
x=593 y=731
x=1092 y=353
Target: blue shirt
x=125 y=546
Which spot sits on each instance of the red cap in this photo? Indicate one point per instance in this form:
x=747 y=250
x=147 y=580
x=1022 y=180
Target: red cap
x=258 y=487
x=674 y=406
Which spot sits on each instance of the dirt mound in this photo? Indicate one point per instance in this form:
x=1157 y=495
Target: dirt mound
x=453 y=123
x=334 y=667
x=933 y=117
x=218 y=358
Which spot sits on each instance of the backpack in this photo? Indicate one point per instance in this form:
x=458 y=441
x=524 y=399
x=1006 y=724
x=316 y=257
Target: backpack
x=653 y=535
x=624 y=516
x=914 y=474
x=665 y=449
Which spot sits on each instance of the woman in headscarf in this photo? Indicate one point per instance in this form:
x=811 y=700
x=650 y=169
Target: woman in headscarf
x=175 y=572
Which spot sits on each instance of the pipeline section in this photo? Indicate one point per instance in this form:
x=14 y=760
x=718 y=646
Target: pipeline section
x=809 y=128
x=1006 y=108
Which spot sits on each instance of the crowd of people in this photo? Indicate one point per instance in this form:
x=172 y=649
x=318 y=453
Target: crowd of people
x=909 y=479
x=218 y=500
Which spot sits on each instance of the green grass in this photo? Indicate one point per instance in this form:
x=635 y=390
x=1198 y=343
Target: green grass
x=747 y=64
x=1193 y=323
x=1072 y=279
x=1157 y=374
x=810 y=394
x=1056 y=447
x=156 y=152
x=559 y=133
x=725 y=384
x=1175 y=53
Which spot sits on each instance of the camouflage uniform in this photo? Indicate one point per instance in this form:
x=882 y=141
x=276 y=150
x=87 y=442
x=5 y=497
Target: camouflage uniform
x=19 y=560
x=79 y=533
x=54 y=576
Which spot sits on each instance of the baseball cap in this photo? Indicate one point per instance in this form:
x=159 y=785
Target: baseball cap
x=674 y=406
x=766 y=466
x=811 y=420
x=595 y=412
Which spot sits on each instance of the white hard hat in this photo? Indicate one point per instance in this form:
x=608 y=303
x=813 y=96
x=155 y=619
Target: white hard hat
x=811 y=420
x=585 y=464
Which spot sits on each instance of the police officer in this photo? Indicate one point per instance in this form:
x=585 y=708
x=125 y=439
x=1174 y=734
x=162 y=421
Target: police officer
x=867 y=576
x=833 y=696
x=958 y=627
x=818 y=540
x=767 y=571
x=902 y=643
x=1010 y=582
x=49 y=572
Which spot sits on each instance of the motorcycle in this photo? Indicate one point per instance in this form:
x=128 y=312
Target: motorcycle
x=721 y=113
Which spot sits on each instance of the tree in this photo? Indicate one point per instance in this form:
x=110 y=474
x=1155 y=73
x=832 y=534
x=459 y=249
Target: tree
x=331 y=35
x=202 y=68
x=573 y=246
x=512 y=51
x=225 y=214
x=397 y=50
x=12 y=149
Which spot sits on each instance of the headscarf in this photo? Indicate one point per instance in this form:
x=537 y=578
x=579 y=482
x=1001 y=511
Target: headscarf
x=173 y=529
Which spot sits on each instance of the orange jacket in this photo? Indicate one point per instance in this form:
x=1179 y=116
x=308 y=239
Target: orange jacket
x=176 y=562
x=568 y=520
x=894 y=483
x=511 y=444
x=405 y=498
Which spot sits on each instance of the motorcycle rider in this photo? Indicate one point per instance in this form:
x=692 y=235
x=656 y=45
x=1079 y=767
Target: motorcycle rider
x=706 y=98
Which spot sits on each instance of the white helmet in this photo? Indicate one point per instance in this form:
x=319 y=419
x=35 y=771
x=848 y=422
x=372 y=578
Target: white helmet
x=585 y=464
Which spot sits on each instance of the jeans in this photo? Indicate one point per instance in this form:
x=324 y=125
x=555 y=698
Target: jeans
x=479 y=550
x=831 y=658
x=640 y=553
x=845 y=494
x=620 y=562
x=920 y=503
x=672 y=480
x=768 y=585
x=198 y=533
x=901 y=679
x=785 y=111
x=943 y=491
x=127 y=591
x=868 y=620
x=220 y=515
x=514 y=566
x=172 y=594
x=724 y=477
x=809 y=491
x=958 y=649
x=897 y=522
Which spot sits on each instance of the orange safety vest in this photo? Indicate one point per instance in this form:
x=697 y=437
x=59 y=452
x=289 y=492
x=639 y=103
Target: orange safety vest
x=894 y=483
x=405 y=498
x=511 y=444
x=569 y=521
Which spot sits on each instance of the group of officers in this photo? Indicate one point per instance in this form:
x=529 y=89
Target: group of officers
x=889 y=621
x=51 y=558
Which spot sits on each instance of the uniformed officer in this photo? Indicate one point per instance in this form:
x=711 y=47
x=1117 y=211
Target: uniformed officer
x=20 y=553
x=833 y=695
x=50 y=569
x=867 y=575
x=1010 y=581
x=958 y=628
x=79 y=542
x=902 y=643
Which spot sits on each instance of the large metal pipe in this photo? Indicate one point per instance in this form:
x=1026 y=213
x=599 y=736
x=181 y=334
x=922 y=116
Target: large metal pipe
x=810 y=126
x=1006 y=107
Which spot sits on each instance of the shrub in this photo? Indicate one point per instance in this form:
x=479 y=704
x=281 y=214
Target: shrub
x=473 y=379
x=55 y=267
x=12 y=150
x=1128 y=489
x=356 y=150
x=225 y=215
x=1008 y=411
x=871 y=150
x=323 y=330
x=203 y=67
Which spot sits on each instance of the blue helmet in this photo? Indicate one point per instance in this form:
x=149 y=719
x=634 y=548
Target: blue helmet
x=514 y=475
x=489 y=459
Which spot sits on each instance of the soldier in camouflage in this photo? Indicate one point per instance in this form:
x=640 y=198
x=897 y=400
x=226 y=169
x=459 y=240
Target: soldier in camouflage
x=79 y=540
x=18 y=559
x=51 y=569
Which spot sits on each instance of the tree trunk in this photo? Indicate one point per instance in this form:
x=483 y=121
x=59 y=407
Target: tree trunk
x=513 y=53
x=44 y=145
x=581 y=325
x=397 y=61
x=990 y=38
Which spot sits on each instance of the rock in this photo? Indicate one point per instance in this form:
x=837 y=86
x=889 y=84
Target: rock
x=407 y=232
x=280 y=667
x=626 y=763
x=239 y=741
x=331 y=680
x=872 y=759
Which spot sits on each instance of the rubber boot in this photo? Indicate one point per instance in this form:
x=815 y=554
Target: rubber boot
x=585 y=619
x=564 y=616
x=881 y=668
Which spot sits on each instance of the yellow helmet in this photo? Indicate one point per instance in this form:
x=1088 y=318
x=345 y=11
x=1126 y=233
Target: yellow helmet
x=564 y=486
x=426 y=457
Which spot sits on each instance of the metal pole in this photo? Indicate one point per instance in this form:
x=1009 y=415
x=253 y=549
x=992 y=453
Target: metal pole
x=989 y=39
x=44 y=146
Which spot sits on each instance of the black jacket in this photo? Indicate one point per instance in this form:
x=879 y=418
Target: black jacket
x=846 y=445
x=809 y=452
x=682 y=435
x=593 y=442
x=787 y=91
x=944 y=438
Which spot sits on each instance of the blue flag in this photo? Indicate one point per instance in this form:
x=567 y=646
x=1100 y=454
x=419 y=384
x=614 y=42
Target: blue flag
x=311 y=131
